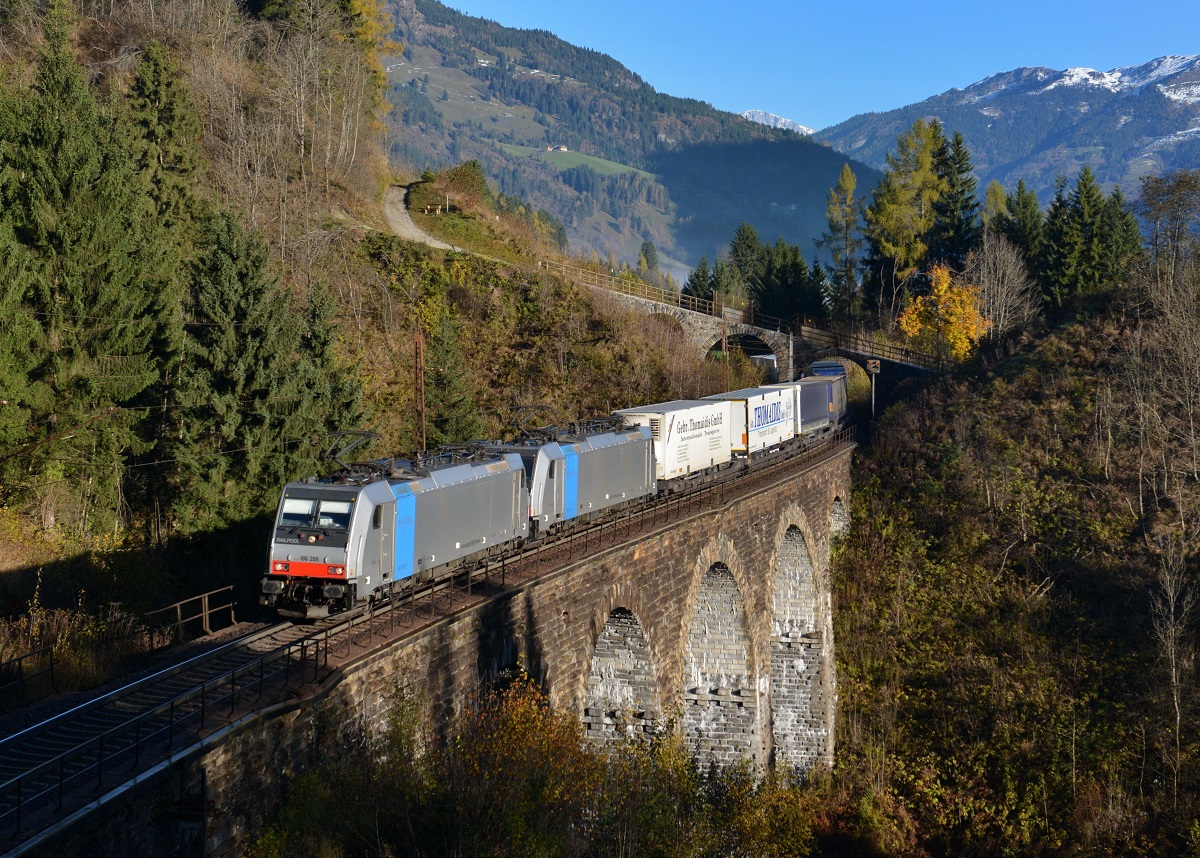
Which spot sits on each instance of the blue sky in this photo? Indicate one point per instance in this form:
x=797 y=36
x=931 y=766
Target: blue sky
x=821 y=63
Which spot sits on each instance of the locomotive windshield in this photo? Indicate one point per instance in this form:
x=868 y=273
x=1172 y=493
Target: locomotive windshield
x=323 y=514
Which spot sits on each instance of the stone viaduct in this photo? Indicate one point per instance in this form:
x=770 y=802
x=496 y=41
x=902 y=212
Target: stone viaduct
x=718 y=624
x=706 y=331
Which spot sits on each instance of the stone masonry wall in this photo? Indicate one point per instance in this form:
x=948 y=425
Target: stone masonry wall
x=622 y=697
x=720 y=719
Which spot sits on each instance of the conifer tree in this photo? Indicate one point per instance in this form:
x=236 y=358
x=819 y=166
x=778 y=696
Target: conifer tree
x=98 y=259
x=1058 y=255
x=1021 y=222
x=453 y=414
x=783 y=288
x=1086 y=214
x=258 y=384
x=699 y=283
x=19 y=344
x=168 y=128
x=746 y=254
x=955 y=230
x=843 y=240
x=1121 y=237
x=649 y=255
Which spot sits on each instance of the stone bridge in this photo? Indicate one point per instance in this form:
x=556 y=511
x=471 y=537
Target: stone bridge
x=707 y=331
x=717 y=624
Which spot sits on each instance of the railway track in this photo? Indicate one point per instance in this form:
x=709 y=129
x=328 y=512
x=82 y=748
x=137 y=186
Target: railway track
x=50 y=770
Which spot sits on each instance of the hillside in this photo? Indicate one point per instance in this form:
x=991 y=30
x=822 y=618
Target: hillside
x=636 y=165
x=1037 y=123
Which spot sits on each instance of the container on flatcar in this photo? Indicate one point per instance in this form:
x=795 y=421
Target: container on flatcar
x=822 y=401
x=690 y=435
x=573 y=475
x=762 y=418
x=810 y=407
x=826 y=367
x=343 y=540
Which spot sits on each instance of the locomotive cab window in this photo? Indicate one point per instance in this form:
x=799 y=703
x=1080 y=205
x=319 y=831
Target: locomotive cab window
x=377 y=518
x=334 y=515
x=297 y=512
x=324 y=514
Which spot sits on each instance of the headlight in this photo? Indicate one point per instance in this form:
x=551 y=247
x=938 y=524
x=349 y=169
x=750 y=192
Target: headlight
x=337 y=570
x=279 y=566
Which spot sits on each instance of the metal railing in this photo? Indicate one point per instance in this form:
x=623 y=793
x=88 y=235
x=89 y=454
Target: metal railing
x=171 y=631
x=16 y=667
x=155 y=730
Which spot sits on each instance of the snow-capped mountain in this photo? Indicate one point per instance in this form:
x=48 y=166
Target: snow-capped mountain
x=773 y=121
x=1035 y=123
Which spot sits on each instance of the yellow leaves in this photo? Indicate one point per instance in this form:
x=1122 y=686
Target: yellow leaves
x=372 y=29
x=947 y=321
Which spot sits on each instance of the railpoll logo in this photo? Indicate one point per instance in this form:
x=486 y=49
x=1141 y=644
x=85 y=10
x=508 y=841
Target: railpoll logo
x=767 y=415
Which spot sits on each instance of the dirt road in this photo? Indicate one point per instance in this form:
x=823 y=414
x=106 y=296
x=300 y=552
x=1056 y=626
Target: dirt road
x=401 y=223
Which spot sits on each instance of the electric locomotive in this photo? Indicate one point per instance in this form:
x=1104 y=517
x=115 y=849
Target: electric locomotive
x=346 y=540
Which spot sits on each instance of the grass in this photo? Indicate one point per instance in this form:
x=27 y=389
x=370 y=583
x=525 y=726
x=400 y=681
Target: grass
x=566 y=160
x=472 y=226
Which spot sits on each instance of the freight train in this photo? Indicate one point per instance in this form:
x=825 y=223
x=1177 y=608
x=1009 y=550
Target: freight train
x=343 y=541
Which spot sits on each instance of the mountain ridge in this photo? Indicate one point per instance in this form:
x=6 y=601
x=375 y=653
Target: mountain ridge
x=576 y=133
x=771 y=120
x=1035 y=123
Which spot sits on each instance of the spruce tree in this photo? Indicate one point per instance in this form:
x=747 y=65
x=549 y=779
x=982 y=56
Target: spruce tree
x=782 y=288
x=699 y=283
x=1058 y=258
x=1121 y=238
x=97 y=261
x=258 y=384
x=1086 y=214
x=955 y=230
x=1021 y=223
x=746 y=254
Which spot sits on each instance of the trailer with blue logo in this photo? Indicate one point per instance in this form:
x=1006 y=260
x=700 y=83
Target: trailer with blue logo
x=762 y=418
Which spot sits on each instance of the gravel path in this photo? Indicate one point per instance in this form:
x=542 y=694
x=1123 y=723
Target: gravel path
x=401 y=223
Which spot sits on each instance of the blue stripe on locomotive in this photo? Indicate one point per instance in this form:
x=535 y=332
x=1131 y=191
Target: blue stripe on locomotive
x=406 y=530
x=570 y=482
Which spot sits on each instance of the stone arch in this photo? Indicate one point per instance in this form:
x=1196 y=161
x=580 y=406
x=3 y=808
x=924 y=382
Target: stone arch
x=803 y=682
x=799 y=728
x=839 y=518
x=621 y=697
x=720 y=698
x=747 y=343
x=669 y=322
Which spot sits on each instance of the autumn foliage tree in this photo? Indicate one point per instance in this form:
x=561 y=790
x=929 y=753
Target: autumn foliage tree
x=947 y=321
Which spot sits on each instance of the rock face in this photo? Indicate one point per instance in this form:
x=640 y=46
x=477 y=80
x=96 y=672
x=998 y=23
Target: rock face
x=1034 y=123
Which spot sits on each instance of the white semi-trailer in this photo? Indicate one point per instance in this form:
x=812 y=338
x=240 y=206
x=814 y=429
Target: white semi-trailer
x=763 y=418
x=690 y=435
